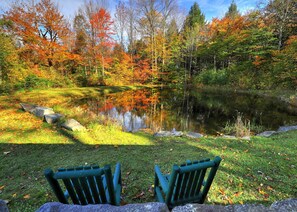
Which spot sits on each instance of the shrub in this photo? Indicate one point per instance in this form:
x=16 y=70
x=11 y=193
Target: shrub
x=213 y=77
x=240 y=128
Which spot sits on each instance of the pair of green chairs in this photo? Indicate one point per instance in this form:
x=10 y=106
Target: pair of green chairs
x=187 y=183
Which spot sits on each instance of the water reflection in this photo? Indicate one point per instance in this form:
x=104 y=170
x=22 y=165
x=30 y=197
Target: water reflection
x=199 y=111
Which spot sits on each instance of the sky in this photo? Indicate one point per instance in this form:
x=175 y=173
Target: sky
x=210 y=8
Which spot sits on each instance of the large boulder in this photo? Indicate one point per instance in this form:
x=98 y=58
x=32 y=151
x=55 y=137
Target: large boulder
x=28 y=107
x=42 y=111
x=145 y=207
x=52 y=118
x=73 y=125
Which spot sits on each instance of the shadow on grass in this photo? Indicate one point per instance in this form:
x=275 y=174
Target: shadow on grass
x=24 y=166
x=237 y=179
x=68 y=135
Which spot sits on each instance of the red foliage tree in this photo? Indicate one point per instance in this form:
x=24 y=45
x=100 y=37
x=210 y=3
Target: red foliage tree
x=102 y=24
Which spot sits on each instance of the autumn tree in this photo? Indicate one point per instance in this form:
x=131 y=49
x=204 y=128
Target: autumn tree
x=285 y=65
x=281 y=15
x=102 y=24
x=41 y=29
x=8 y=54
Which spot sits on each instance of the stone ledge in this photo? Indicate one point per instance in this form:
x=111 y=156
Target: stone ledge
x=288 y=205
x=145 y=207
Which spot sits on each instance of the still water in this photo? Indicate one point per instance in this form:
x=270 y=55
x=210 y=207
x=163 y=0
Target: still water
x=188 y=110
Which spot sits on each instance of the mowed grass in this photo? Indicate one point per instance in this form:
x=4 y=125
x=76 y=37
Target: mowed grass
x=262 y=170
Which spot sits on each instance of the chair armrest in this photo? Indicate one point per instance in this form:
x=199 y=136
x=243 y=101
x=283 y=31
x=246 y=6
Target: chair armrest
x=161 y=178
x=117 y=175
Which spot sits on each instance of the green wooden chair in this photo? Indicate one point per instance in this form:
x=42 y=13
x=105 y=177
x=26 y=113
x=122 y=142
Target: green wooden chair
x=87 y=185
x=187 y=183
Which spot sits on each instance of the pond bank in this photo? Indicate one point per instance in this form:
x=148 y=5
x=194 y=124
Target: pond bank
x=287 y=96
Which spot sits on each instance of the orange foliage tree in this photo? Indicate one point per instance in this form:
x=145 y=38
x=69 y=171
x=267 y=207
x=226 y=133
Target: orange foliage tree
x=42 y=30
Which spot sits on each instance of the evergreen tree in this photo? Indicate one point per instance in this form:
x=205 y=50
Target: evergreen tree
x=194 y=17
x=232 y=11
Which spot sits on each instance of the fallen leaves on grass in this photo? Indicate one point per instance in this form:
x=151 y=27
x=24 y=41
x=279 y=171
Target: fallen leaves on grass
x=27 y=196
x=225 y=196
x=151 y=189
x=237 y=194
x=138 y=196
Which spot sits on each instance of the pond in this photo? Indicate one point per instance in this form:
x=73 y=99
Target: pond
x=188 y=110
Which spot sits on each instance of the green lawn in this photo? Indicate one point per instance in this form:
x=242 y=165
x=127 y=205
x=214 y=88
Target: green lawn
x=258 y=171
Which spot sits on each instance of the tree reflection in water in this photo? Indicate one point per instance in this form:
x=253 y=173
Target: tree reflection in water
x=187 y=110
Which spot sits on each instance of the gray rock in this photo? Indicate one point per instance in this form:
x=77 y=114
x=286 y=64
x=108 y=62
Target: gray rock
x=3 y=206
x=168 y=133
x=286 y=128
x=28 y=107
x=229 y=136
x=247 y=208
x=41 y=111
x=194 y=135
x=72 y=124
x=146 y=207
x=198 y=208
x=248 y=138
x=52 y=118
x=266 y=133
x=288 y=205
x=220 y=208
x=162 y=134
x=176 y=133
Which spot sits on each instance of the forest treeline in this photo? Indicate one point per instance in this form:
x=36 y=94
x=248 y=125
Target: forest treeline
x=148 y=42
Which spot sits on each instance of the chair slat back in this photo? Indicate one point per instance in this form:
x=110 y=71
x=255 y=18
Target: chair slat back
x=85 y=185
x=192 y=182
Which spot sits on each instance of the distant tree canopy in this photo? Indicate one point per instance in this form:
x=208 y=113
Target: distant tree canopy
x=147 y=43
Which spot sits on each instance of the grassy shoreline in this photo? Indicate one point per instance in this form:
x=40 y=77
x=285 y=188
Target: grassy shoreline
x=261 y=170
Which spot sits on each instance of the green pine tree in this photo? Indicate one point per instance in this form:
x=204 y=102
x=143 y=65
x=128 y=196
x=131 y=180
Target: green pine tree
x=232 y=11
x=195 y=17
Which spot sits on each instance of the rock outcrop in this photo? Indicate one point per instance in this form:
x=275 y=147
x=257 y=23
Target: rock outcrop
x=52 y=118
x=73 y=125
x=42 y=111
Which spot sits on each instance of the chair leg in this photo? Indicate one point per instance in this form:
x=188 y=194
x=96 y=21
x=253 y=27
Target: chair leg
x=156 y=184
x=49 y=175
